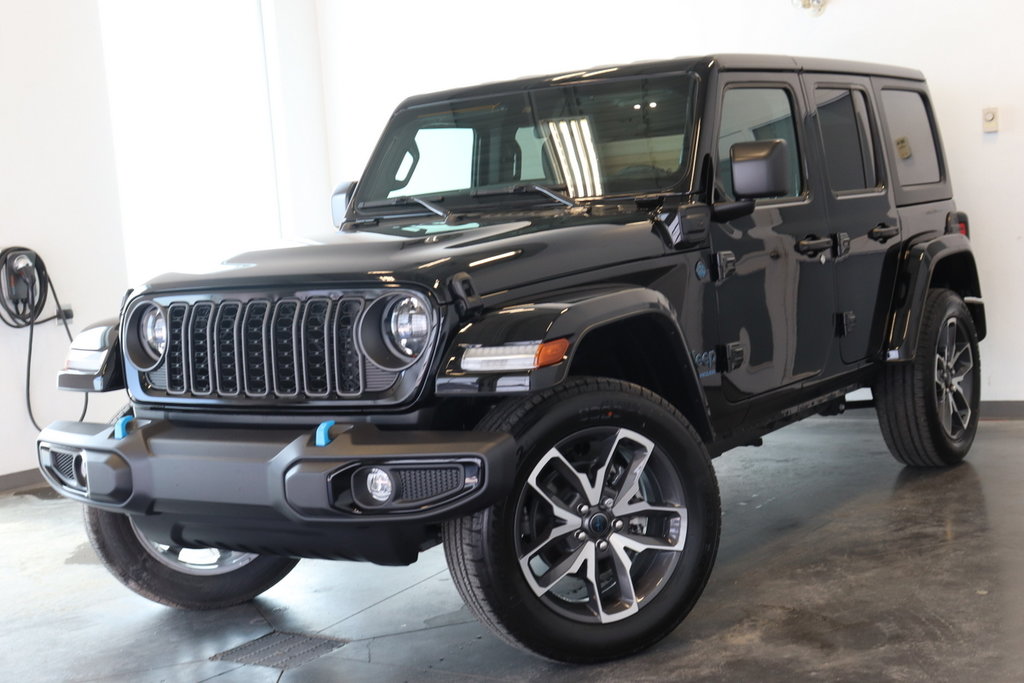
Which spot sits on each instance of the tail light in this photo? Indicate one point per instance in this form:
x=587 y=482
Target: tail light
x=956 y=222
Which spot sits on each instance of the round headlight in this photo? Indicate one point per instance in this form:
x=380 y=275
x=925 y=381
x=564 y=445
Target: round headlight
x=153 y=332
x=407 y=326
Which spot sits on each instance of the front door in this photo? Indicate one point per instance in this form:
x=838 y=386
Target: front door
x=774 y=277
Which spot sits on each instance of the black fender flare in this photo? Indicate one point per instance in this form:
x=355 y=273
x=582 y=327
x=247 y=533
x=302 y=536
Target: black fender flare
x=572 y=316
x=945 y=261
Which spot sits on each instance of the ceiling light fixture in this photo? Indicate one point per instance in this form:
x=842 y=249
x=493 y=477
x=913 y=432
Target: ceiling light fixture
x=814 y=7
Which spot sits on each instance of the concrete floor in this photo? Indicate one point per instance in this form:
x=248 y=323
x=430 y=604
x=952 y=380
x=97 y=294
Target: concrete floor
x=836 y=564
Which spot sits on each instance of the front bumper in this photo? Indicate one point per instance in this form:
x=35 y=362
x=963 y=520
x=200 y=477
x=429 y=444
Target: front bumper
x=277 y=491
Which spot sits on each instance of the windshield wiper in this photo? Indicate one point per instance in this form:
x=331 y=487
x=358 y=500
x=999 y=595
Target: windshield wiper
x=397 y=201
x=522 y=189
x=431 y=206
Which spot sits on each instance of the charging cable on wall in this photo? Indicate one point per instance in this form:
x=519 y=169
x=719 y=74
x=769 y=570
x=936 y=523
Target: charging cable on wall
x=24 y=288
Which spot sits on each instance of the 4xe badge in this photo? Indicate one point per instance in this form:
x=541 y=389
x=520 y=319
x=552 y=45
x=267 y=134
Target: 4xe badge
x=706 y=362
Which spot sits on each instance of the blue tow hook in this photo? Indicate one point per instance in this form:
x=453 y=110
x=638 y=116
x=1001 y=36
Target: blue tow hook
x=323 y=433
x=121 y=426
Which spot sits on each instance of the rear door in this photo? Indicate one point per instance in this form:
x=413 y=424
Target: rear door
x=862 y=219
x=774 y=280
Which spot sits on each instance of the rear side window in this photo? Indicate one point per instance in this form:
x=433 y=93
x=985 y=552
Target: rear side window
x=752 y=114
x=911 y=136
x=846 y=136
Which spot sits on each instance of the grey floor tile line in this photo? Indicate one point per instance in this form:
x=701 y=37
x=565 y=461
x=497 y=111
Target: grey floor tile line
x=225 y=673
x=469 y=620
x=369 y=607
x=135 y=673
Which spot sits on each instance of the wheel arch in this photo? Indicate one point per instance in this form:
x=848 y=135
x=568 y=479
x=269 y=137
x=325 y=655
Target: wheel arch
x=941 y=262
x=649 y=350
x=635 y=324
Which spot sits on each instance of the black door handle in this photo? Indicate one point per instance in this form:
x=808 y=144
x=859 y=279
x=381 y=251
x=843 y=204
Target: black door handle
x=883 y=233
x=812 y=246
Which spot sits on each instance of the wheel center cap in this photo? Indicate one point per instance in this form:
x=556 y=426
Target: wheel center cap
x=599 y=524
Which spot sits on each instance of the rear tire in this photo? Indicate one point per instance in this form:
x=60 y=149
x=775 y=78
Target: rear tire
x=610 y=532
x=928 y=408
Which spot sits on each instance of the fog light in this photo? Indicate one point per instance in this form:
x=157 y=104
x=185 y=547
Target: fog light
x=81 y=472
x=380 y=485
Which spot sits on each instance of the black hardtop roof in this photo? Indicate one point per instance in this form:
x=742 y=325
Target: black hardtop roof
x=721 y=62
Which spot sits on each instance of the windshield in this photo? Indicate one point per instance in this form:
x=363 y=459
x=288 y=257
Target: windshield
x=595 y=139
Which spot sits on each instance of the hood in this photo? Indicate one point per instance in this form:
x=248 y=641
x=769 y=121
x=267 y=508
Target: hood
x=497 y=255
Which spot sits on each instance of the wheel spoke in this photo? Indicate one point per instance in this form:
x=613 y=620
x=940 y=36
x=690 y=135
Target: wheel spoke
x=960 y=406
x=569 y=475
x=556 y=534
x=946 y=412
x=570 y=564
x=630 y=485
x=639 y=543
x=622 y=563
x=961 y=366
x=642 y=507
x=950 y=345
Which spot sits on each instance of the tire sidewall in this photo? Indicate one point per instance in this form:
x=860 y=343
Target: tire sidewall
x=532 y=622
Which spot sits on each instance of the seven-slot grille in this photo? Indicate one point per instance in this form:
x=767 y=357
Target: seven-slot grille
x=262 y=348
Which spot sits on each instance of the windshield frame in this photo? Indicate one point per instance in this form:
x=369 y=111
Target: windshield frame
x=473 y=200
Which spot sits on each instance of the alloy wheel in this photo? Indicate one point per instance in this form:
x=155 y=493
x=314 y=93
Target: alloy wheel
x=600 y=525
x=195 y=561
x=954 y=378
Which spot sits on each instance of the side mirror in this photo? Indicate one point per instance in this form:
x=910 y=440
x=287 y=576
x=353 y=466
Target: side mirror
x=760 y=169
x=339 y=202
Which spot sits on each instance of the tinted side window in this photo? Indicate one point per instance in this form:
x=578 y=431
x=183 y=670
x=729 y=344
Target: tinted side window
x=751 y=114
x=846 y=136
x=912 y=138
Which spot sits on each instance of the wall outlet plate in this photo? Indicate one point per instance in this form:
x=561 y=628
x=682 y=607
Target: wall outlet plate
x=990 y=119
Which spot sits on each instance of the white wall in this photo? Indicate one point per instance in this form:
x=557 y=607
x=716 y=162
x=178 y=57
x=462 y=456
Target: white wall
x=191 y=129
x=58 y=196
x=375 y=54
x=295 y=86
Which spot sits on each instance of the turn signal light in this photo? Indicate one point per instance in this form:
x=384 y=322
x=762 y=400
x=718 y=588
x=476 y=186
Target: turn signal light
x=551 y=352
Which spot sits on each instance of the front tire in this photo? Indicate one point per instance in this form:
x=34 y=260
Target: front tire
x=610 y=533
x=187 y=578
x=928 y=408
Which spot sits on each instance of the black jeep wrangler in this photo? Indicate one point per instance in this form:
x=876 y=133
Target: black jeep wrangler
x=551 y=302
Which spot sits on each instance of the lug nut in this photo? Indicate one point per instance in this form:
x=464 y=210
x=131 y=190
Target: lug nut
x=608 y=502
x=583 y=509
x=617 y=525
x=602 y=545
x=581 y=536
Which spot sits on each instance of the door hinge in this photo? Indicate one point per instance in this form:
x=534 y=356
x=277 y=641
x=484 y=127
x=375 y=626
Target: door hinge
x=725 y=265
x=841 y=244
x=731 y=356
x=845 y=323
